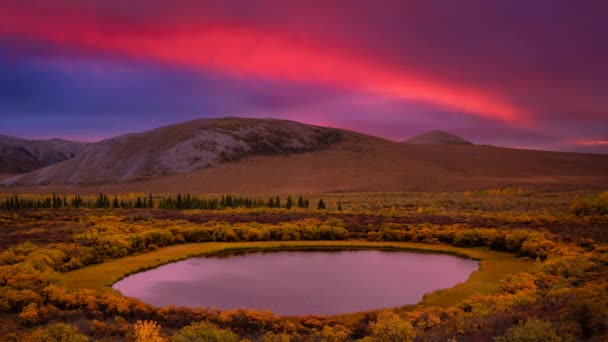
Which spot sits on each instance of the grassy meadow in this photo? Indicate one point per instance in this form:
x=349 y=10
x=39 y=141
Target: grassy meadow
x=543 y=263
x=494 y=266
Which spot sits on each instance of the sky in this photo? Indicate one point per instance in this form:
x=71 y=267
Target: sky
x=525 y=74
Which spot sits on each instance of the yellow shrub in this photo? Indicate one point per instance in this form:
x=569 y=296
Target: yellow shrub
x=390 y=327
x=147 y=331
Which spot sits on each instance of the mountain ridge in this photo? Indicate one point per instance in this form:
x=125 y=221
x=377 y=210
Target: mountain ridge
x=18 y=155
x=271 y=155
x=181 y=148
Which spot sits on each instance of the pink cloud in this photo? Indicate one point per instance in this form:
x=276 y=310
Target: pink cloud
x=255 y=52
x=590 y=142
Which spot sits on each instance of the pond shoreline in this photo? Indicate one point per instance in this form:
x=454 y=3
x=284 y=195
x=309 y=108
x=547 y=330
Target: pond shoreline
x=299 y=281
x=493 y=266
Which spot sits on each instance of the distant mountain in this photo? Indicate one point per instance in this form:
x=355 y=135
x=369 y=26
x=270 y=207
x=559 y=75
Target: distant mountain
x=22 y=155
x=279 y=156
x=437 y=138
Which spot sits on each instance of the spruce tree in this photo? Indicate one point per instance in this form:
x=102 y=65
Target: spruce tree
x=178 y=204
x=321 y=204
x=300 y=201
x=17 y=204
x=289 y=202
x=229 y=201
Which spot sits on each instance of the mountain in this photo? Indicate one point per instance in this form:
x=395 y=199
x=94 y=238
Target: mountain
x=22 y=155
x=437 y=138
x=183 y=148
x=278 y=156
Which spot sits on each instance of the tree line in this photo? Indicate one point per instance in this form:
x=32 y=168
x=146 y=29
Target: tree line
x=181 y=201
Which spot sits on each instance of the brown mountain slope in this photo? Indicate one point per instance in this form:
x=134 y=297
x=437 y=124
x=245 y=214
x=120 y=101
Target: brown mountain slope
x=380 y=167
x=182 y=148
x=6 y=175
x=24 y=155
x=437 y=138
x=363 y=163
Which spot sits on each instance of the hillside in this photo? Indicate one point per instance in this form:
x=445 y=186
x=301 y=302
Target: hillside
x=263 y=155
x=23 y=155
x=437 y=138
x=182 y=148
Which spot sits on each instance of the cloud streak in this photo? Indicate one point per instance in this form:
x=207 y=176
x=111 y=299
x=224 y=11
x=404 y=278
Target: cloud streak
x=246 y=51
x=591 y=142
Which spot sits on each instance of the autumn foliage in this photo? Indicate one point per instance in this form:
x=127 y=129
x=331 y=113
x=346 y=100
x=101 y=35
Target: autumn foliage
x=564 y=297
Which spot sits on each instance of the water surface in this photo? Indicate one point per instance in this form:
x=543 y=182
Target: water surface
x=299 y=282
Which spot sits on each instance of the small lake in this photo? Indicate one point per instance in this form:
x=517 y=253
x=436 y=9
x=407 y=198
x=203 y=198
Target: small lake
x=299 y=282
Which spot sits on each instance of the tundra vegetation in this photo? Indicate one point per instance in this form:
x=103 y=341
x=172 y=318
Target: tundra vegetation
x=563 y=296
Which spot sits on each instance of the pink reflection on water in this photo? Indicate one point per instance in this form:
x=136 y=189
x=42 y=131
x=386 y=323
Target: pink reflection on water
x=298 y=283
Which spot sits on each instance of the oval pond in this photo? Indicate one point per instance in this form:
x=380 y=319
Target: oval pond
x=299 y=282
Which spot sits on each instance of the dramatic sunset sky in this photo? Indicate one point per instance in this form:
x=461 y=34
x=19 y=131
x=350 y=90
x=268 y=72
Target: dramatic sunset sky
x=531 y=74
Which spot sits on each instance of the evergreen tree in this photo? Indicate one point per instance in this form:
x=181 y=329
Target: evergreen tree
x=277 y=202
x=115 y=203
x=54 y=201
x=17 y=205
x=321 y=204
x=229 y=201
x=99 y=203
x=339 y=206
x=178 y=204
x=300 y=201
x=289 y=202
